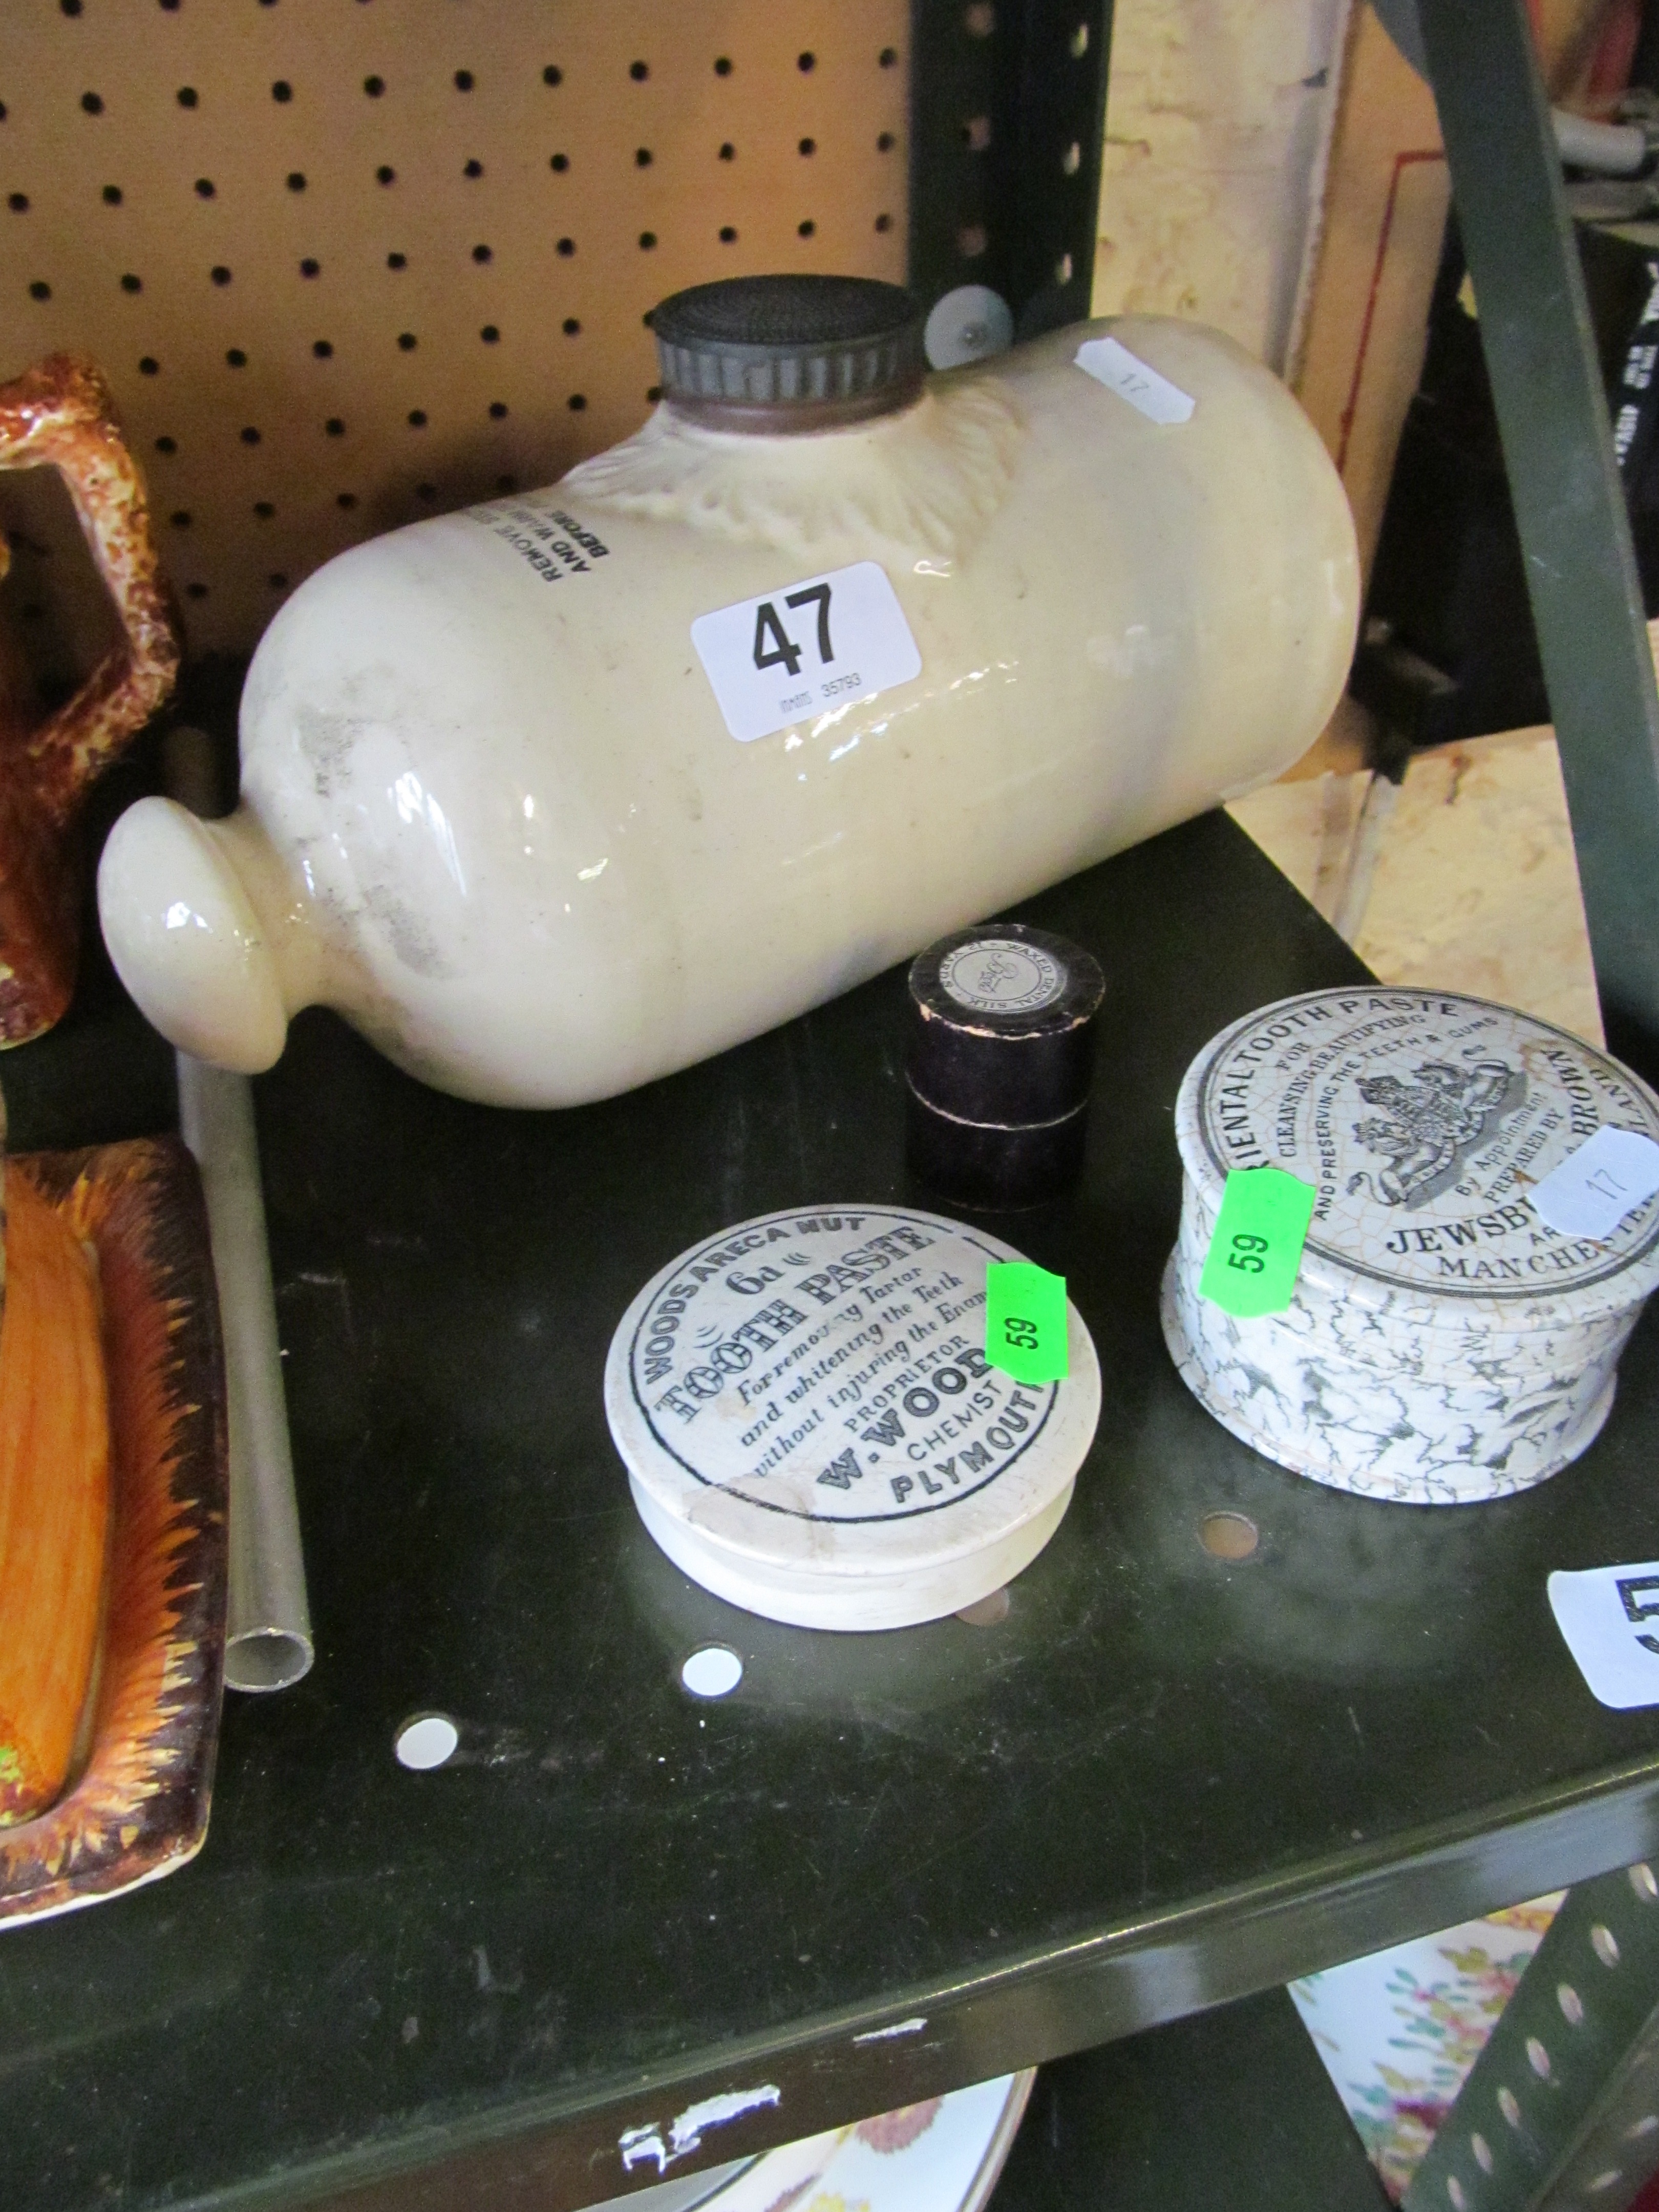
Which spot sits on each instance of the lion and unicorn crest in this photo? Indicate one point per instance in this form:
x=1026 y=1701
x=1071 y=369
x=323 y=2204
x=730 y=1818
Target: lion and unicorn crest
x=1428 y=1126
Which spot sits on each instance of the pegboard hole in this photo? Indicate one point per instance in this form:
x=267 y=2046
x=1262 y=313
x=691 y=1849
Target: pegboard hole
x=641 y=157
x=39 y=290
x=1228 y=1535
x=472 y=169
x=1571 y=2004
x=196 y=590
x=131 y=283
x=483 y=253
x=181 y=519
x=883 y=222
x=295 y=181
x=728 y=236
x=374 y=86
x=462 y=80
x=576 y=401
x=552 y=74
x=250 y=435
x=165 y=445
x=971 y=241
x=187 y=96
x=1641 y=1881
x=571 y=326
x=888 y=56
x=1538 y=2058
x=647 y=240
x=219 y=274
x=806 y=229
x=566 y=247
x=728 y=152
x=334 y=428
x=497 y=409
x=281 y=92
x=506 y=484
x=278 y=582
x=407 y=341
x=323 y=349
x=112 y=195
x=808 y=147
x=976 y=133
x=639 y=71
x=18 y=202
x=235 y=358
x=979 y=21
x=310 y=268
x=559 y=161
x=1482 y=2149
x=204 y=188
x=884 y=141
x=489 y=334
x=397 y=261
x=348 y=500
x=426 y=491
x=148 y=366
x=386 y=174
x=417 y=418
x=1509 y=2104
x=654 y=392
x=806 y=63
x=264 y=509
x=92 y=105
x=723 y=65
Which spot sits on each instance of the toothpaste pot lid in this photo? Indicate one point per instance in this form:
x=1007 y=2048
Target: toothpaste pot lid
x=810 y=1427
x=1423 y=1120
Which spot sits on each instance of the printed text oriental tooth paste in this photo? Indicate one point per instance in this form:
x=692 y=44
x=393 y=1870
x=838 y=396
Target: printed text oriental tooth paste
x=556 y=795
x=1443 y=1343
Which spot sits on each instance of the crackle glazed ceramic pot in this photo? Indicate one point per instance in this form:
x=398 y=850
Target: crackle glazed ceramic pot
x=556 y=795
x=60 y=414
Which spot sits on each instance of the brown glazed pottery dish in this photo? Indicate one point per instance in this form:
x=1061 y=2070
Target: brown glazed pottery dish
x=138 y=1807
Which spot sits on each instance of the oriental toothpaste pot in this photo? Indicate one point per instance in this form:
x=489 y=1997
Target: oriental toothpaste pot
x=1445 y=1343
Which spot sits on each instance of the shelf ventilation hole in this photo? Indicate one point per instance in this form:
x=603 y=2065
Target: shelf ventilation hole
x=1641 y=1881
x=1079 y=42
x=1072 y=160
x=1571 y=2004
x=1538 y=2058
x=1455 y=2190
x=1482 y=2149
x=1063 y=269
x=971 y=241
x=1228 y=1535
x=976 y=133
x=1604 y=2180
x=1644 y=2126
x=980 y=20
x=426 y=1740
x=1509 y=2104
x=714 y=1672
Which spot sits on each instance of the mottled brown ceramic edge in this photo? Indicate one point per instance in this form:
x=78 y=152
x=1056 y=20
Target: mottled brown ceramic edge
x=61 y=413
x=140 y=1807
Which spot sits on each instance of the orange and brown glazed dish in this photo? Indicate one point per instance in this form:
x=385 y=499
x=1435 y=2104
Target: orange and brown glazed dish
x=54 y=1497
x=135 y=1802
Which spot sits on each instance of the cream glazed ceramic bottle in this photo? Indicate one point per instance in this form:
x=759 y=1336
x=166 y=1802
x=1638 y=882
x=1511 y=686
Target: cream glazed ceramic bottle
x=556 y=795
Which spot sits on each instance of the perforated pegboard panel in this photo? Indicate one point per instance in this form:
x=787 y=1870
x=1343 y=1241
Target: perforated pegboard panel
x=348 y=262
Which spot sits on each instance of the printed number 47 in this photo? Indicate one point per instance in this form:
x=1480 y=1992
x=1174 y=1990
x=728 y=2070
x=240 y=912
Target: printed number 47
x=1246 y=1253
x=783 y=651
x=1021 y=1336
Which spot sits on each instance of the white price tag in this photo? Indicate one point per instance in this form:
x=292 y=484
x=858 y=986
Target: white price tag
x=1120 y=371
x=1610 y=1619
x=1592 y=1190
x=805 y=649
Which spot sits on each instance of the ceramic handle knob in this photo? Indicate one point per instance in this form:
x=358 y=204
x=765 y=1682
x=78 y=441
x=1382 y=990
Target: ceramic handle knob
x=187 y=939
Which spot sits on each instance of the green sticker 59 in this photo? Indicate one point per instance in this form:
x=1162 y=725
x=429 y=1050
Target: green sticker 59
x=1025 y=1320
x=1256 y=1248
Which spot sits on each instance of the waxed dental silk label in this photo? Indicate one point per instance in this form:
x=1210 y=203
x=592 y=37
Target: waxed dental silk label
x=1592 y=1190
x=805 y=649
x=1002 y=976
x=827 y=1366
x=1609 y=1617
x=1135 y=381
x=1256 y=1248
x=1025 y=1320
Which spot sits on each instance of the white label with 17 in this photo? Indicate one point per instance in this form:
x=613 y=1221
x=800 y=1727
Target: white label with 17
x=805 y=649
